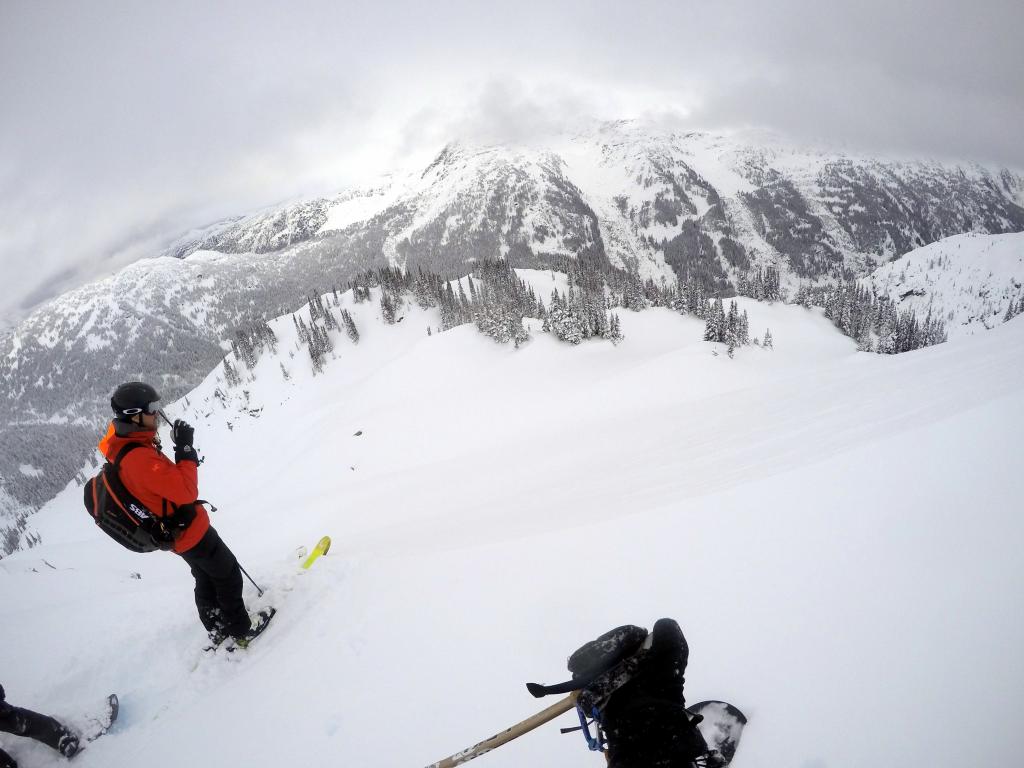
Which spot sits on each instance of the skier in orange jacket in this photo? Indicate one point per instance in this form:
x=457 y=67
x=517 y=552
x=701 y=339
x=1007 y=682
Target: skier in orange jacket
x=170 y=489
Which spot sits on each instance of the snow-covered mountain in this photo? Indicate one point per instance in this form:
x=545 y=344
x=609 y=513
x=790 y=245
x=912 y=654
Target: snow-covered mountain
x=695 y=206
x=971 y=281
x=837 y=533
x=665 y=203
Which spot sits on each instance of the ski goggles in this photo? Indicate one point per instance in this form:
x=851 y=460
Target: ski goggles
x=150 y=409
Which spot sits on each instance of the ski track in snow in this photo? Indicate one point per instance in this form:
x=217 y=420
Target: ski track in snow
x=836 y=532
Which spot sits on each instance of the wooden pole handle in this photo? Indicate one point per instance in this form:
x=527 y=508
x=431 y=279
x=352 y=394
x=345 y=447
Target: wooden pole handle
x=508 y=734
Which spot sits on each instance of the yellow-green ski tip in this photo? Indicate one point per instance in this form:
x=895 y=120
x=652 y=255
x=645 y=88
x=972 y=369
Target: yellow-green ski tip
x=321 y=548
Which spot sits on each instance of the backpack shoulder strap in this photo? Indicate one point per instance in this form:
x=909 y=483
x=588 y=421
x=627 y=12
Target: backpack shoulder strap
x=125 y=450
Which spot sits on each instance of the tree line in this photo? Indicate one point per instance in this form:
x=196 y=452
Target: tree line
x=497 y=301
x=871 y=320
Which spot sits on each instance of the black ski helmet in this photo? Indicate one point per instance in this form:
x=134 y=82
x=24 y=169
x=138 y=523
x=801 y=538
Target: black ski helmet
x=134 y=397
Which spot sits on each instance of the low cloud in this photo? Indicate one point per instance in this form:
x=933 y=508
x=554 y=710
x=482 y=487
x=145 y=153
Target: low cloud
x=125 y=125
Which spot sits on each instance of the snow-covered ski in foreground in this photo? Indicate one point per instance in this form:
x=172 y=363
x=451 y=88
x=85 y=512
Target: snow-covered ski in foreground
x=259 y=626
x=99 y=725
x=91 y=726
x=721 y=727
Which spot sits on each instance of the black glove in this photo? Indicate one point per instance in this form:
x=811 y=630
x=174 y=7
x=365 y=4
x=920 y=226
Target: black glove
x=645 y=720
x=182 y=518
x=182 y=434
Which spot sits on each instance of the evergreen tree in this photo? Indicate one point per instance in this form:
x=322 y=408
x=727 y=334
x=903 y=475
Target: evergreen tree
x=710 y=328
x=633 y=294
x=767 y=343
x=732 y=321
x=1011 y=311
x=803 y=297
x=231 y=377
x=562 y=321
x=615 y=330
x=319 y=345
x=863 y=339
x=449 y=315
x=350 y=326
x=716 y=325
x=387 y=308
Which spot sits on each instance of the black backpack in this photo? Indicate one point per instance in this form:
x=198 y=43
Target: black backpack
x=599 y=668
x=597 y=657
x=599 y=663
x=122 y=516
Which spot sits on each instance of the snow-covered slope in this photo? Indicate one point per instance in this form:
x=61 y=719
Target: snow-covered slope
x=836 y=532
x=968 y=280
x=697 y=206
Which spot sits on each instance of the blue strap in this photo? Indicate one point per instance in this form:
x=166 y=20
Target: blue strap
x=594 y=744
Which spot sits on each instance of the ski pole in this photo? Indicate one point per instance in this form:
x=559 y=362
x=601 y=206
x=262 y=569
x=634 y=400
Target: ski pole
x=260 y=591
x=508 y=734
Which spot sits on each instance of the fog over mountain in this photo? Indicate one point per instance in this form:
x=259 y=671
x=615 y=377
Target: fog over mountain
x=124 y=125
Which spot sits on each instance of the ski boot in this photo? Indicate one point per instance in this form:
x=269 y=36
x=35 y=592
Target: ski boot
x=215 y=638
x=258 y=625
x=68 y=745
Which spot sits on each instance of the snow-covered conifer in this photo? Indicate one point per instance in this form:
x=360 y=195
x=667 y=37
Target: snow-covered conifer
x=387 y=308
x=231 y=377
x=615 y=329
x=350 y=326
x=1011 y=311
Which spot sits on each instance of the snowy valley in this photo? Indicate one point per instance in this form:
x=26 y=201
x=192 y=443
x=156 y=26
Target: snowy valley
x=835 y=531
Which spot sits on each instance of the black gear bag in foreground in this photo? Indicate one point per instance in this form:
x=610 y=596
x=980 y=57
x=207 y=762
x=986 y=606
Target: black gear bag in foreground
x=122 y=516
x=597 y=659
x=630 y=687
x=599 y=668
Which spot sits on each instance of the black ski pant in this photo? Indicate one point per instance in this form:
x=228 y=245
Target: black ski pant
x=32 y=725
x=218 y=586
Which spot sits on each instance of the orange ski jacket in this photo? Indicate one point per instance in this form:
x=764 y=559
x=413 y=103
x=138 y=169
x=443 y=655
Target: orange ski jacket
x=157 y=481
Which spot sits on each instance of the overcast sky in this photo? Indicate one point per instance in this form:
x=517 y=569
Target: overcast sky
x=124 y=122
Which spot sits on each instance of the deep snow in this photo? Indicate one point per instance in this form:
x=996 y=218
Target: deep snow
x=966 y=280
x=838 y=533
